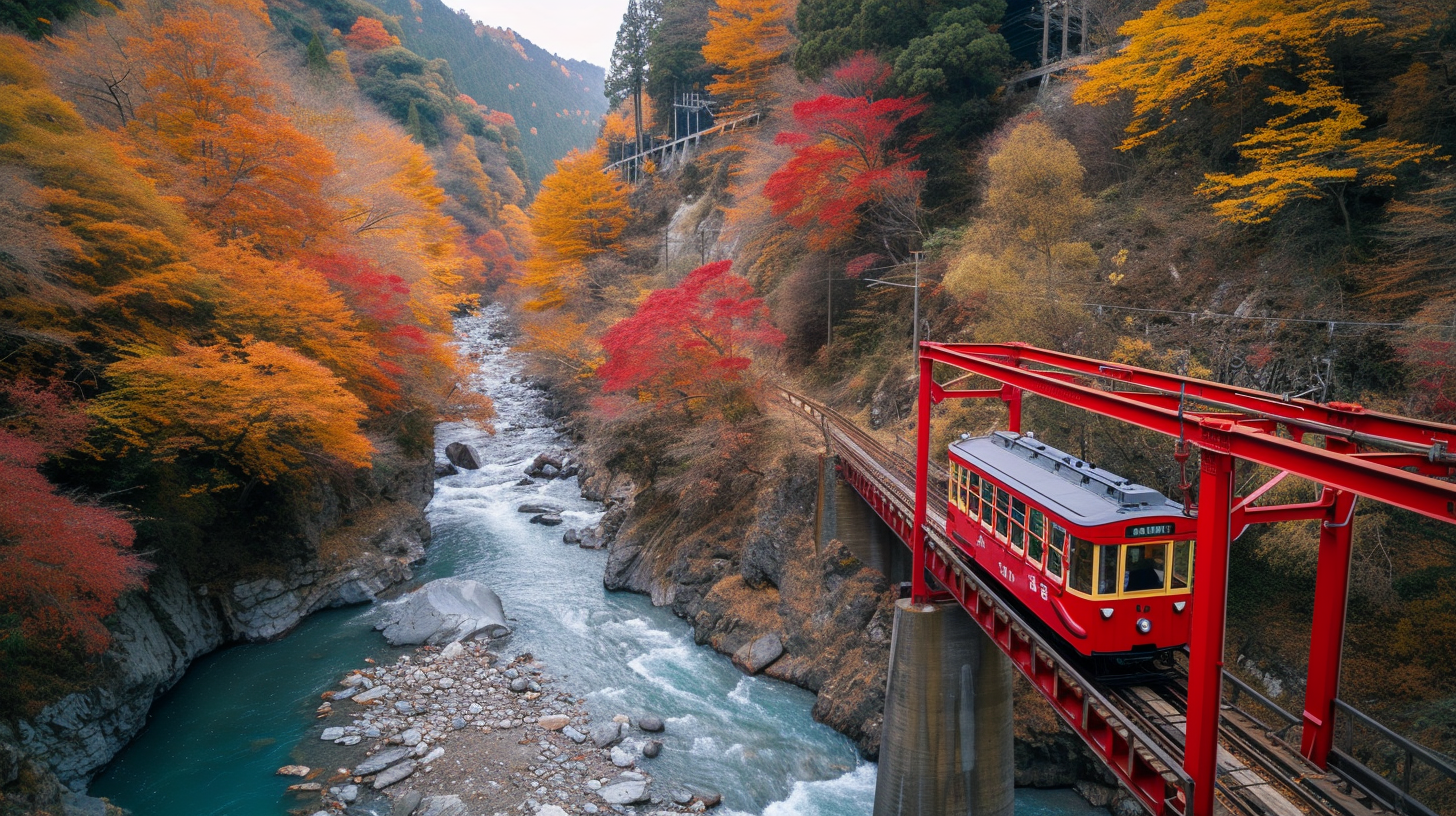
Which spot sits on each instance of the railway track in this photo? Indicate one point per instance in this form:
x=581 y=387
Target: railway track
x=1259 y=774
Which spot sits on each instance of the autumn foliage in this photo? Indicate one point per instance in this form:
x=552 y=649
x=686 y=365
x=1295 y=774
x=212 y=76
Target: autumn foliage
x=747 y=39
x=368 y=34
x=849 y=157
x=692 y=341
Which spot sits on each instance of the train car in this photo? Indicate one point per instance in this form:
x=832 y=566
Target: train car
x=1106 y=564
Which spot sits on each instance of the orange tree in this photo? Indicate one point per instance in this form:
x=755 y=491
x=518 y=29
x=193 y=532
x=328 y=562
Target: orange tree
x=747 y=39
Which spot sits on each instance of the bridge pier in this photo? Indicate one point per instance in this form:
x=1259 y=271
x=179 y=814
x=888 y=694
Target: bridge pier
x=946 y=744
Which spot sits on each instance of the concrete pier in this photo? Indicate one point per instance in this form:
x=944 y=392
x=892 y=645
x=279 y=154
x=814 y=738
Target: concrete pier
x=946 y=748
x=843 y=515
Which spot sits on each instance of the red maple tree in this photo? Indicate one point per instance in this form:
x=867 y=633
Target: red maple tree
x=368 y=34
x=692 y=341
x=382 y=303
x=848 y=156
x=63 y=563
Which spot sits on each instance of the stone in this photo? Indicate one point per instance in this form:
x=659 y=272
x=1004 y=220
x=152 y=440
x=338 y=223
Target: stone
x=571 y=537
x=680 y=796
x=444 y=610
x=443 y=469
x=652 y=749
x=293 y=770
x=406 y=803
x=376 y=693
x=573 y=735
x=548 y=519
x=348 y=793
x=756 y=656
x=520 y=684
x=605 y=735
x=622 y=718
x=393 y=774
x=441 y=806
x=331 y=734
x=554 y=722
x=452 y=650
x=404 y=707
x=538 y=508
x=350 y=739
x=525 y=482
x=380 y=761
x=306 y=787
x=411 y=737
x=551 y=810
x=621 y=758
x=462 y=455
x=624 y=793
x=710 y=799
x=457 y=723
x=650 y=724
x=433 y=755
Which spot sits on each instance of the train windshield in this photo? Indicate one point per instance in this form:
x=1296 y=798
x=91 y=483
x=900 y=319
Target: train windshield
x=1146 y=567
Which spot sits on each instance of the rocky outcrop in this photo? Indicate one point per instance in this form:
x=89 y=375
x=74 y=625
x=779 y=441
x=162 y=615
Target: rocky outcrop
x=462 y=455
x=351 y=547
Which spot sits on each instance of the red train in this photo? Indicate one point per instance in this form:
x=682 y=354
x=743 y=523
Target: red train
x=1105 y=563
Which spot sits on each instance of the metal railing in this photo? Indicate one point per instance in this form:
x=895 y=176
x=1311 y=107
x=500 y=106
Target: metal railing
x=1395 y=769
x=646 y=155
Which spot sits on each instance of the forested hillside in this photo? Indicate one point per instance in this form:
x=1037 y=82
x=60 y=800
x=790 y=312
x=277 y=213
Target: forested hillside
x=557 y=102
x=1256 y=193
x=229 y=258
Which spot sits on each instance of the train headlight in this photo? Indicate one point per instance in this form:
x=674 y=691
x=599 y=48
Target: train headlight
x=1144 y=626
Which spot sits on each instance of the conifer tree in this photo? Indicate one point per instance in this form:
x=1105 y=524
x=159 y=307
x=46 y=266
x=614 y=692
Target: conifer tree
x=628 y=72
x=318 y=56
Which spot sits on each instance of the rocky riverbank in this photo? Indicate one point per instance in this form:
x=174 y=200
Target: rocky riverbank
x=350 y=547
x=461 y=729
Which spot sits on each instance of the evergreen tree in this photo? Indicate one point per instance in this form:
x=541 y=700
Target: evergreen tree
x=318 y=56
x=628 y=72
x=412 y=124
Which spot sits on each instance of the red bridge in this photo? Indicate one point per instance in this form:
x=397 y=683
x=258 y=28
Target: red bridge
x=1183 y=746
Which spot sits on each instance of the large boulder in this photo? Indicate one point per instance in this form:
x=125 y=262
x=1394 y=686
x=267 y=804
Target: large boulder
x=442 y=611
x=462 y=455
x=756 y=656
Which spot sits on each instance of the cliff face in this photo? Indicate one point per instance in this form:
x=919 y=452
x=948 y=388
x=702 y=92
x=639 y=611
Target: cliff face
x=356 y=545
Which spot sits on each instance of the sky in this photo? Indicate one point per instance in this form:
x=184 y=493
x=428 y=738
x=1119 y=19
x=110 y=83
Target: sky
x=574 y=29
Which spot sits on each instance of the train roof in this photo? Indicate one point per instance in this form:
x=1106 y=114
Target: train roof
x=1060 y=482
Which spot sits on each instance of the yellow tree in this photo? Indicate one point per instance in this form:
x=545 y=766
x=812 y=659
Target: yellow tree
x=747 y=39
x=578 y=215
x=258 y=407
x=1312 y=143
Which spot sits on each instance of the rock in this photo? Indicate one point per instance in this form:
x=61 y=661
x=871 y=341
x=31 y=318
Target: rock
x=550 y=810
x=79 y=804
x=331 y=734
x=525 y=482
x=652 y=749
x=538 y=508
x=573 y=735
x=710 y=799
x=462 y=455
x=441 y=806
x=376 y=693
x=406 y=803
x=348 y=793
x=621 y=718
x=624 y=793
x=442 y=611
x=380 y=761
x=411 y=737
x=393 y=774
x=458 y=723
x=306 y=787
x=758 y=655
x=433 y=755
x=547 y=519
x=351 y=739
x=443 y=469
x=571 y=537
x=605 y=735
x=520 y=684
x=554 y=722
x=650 y=724
x=621 y=758
x=680 y=797
x=293 y=770
x=452 y=651
x=404 y=707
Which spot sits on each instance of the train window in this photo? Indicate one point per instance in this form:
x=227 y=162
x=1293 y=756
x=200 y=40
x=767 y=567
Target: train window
x=955 y=484
x=1182 y=564
x=1055 y=543
x=1107 y=572
x=1018 y=524
x=1146 y=567
x=1079 y=576
x=973 y=483
x=1003 y=505
x=1034 y=548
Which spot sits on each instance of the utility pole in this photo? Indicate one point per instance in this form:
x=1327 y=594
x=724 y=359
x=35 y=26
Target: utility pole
x=1046 y=29
x=1066 y=26
x=915 y=335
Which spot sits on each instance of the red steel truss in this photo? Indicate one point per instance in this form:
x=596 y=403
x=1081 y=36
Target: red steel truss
x=1391 y=459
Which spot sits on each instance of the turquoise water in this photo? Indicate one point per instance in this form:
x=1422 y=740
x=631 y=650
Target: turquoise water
x=212 y=744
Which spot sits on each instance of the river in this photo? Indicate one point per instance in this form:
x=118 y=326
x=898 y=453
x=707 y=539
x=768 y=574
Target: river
x=212 y=744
